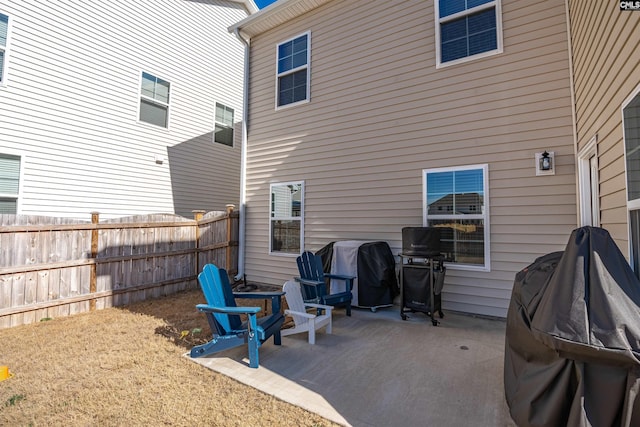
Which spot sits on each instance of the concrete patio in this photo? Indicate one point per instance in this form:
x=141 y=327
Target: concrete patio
x=378 y=370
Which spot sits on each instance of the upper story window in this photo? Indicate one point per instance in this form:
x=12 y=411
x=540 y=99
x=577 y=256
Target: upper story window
x=4 y=36
x=286 y=222
x=456 y=200
x=293 y=70
x=154 y=100
x=9 y=183
x=223 y=132
x=467 y=29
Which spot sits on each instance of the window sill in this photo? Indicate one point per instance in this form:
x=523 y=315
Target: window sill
x=284 y=254
x=152 y=126
x=467 y=58
x=467 y=267
x=293 y=104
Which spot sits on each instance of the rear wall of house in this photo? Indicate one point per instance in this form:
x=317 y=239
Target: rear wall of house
x=69 y=105
x=606 y=62
x=380 y=113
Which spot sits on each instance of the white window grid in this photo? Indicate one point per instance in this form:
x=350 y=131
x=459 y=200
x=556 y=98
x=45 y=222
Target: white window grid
x=484 y=215
x=306 y=66
x=278 y=214
x=153 y=99
x=438 y=21
x=225 y=121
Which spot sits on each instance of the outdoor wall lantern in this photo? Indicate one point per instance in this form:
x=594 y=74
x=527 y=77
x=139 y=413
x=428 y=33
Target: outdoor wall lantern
x=545 y=163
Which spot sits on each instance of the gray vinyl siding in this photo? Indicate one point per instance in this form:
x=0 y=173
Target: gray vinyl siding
x=70 y=105
x=380 y=113
x=606 y=68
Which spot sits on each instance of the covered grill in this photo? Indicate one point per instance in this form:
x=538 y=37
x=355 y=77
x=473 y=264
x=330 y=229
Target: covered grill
x=572 y=353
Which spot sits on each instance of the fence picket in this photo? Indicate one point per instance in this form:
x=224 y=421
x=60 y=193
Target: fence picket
x=46 y=265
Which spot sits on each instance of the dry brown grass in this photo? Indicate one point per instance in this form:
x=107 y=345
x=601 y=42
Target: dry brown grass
x=124 y=366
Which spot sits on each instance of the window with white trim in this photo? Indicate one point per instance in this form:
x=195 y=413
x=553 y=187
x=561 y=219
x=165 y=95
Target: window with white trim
x=9 y=183
x=631 y=129
x=286 y=226
x=467 y=29
x=456 y=200
x=293 y=70
x=154 y=100
x=223 y=128
x=4 y=36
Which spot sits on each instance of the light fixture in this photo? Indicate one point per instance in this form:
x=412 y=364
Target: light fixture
x=545 y=162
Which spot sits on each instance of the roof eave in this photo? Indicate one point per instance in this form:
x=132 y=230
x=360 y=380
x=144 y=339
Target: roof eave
x=274 y=15
x=249 y=5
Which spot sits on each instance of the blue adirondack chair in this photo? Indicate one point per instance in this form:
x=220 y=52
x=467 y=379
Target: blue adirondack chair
x=314 y=289
x=223 y=316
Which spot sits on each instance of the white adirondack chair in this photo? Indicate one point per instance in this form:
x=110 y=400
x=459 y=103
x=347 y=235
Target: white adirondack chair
x=302 y=319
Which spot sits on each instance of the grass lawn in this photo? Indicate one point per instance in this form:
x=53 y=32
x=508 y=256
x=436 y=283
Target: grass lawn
x=124 y=367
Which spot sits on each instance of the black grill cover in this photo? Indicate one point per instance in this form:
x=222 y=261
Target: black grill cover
x=377 y=281
x=572 y=350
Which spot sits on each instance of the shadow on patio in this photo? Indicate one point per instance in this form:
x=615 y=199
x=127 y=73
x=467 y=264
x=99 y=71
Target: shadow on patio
x=377 y=370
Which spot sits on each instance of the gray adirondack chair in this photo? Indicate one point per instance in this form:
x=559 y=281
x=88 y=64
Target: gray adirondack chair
x=303 y=320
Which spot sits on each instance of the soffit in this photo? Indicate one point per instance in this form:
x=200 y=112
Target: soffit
x=274 y=15
x=249 y=4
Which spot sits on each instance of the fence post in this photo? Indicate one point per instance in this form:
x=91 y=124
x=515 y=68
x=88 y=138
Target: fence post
x=197 y=216
x=230 y=209
x=93 y=281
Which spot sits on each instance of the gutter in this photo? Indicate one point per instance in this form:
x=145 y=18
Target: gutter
x=243 y=161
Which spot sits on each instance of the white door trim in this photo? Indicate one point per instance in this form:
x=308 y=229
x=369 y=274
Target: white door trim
x=588 y=183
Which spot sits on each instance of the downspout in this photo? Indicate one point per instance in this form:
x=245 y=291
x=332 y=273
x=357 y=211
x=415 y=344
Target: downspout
x=574 y=114
x=243 y=161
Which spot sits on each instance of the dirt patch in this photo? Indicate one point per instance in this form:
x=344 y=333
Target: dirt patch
x=124 y=366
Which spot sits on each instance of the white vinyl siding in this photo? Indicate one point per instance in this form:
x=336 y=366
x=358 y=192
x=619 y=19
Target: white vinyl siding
x=73 y=101
x=380 y=116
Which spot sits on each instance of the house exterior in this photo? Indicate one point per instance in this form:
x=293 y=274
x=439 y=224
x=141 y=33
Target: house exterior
x=375 y=116
x=120 y=107
x=605 y=44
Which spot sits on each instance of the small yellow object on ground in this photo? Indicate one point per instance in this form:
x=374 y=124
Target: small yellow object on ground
x=4 y=373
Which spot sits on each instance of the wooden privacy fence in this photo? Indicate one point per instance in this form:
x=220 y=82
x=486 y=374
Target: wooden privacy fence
x=53 y=267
